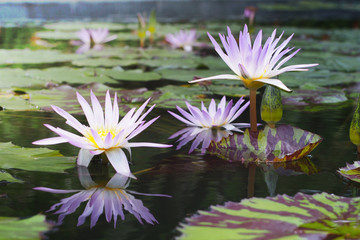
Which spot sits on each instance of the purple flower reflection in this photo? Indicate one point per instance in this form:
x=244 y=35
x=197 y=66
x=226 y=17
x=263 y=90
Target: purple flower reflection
x=199 y=135
x=110 y=198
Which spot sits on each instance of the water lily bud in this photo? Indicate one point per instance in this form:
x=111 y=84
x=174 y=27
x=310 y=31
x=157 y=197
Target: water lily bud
x=271 y=106
x=355 y=127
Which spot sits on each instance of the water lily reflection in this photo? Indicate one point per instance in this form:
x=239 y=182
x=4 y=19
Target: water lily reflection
x=198 y=136
x=111 y=198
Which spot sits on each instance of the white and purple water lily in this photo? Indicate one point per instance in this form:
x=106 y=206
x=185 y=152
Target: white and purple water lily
x=111 y=198
x=254 y=64
x=220 y=116
x=199 y=135
x=105 y=133
x=185 y=39
x=92 y=39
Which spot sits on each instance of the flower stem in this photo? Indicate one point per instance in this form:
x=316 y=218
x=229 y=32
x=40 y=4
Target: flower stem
x=253 y=121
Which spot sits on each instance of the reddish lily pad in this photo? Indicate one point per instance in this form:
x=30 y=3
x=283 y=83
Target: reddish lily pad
x=283 y=143
x=351 y=171
x=320 y=216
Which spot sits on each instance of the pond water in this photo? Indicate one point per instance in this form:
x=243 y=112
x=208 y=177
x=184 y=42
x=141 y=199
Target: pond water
x=194 y=181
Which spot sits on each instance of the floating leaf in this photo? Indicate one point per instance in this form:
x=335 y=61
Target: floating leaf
x=4 y=176
x=75 y=26
x=26 y=56
x=69 y=75
x=169 y=63
x=19 y=78
x=283 y=143
x=351 y=171
x=33 y=159
x=57 y=35
x=133 y=75
x=104 y=62
x=320 y=216
x=187 y=75
x=27 y=229
x=9 y=101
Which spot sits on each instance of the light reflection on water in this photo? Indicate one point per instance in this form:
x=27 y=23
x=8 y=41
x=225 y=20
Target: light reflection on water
x=194 y=181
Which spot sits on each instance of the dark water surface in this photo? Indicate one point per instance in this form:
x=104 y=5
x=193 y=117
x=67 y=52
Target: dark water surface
x=195 y=182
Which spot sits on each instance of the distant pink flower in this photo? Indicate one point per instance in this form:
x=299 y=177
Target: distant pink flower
x=93 y=39
x=249 y=13
x=111 y=198
x=105 y=133
x=221 y=116
x=185 y=39
x=254 y=64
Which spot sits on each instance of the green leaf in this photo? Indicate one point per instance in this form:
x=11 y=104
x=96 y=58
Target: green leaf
x=33 y=159
x=103 y=62
x=351 y=171
x=75 y=26
x=69 y=75
x=57 y=35
x=26 y=229
x=354 y=131
x=19 y=78
x=4 y=176
x=187 y=75
x=10 y=101
x=283 y=143
x=138 y=76
x=26 y=56
x=320 y=216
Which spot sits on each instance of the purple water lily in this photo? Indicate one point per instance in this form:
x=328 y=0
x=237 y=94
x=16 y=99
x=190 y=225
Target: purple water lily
x=92 y=39
x=254 y=64
x=185 y=39
x=198 y=136
x=215 y=117
x=105 y=133
x=111 y=198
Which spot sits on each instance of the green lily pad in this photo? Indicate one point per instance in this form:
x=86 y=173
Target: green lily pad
x=56 y=35
x=75 y=26
x=283 y=143
x=65 y=97
x=70 y=75
x=26 y=229
x=310 y=94
x=4 y=176
x=320 y=216
x=12 y=102
x=18 y=78
x=133 y=75
x=119 y=52
x=170 y=63
x=33 y=159
x=187 y=75
x=127 y=36
x=26 y=56
x=103 y=62
x=351 y=171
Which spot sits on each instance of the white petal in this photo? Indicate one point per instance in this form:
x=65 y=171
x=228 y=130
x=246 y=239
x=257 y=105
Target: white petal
x=276 y=83
x=217 y=77
x=50 y=141
x=118 y=160
x=84 y=157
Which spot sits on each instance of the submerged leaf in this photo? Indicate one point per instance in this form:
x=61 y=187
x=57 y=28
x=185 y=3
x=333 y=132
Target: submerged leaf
x=33 y=159
x=283 y=143
x=27 y=229
x=4 y=176
x=320 y=216
x=75 y=26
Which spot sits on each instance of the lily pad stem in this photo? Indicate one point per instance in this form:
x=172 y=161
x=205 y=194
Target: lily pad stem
x=251 y=180
x=253 y=121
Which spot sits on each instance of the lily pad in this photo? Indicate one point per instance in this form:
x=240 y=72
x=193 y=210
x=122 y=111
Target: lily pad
x=132 y=75
x=69 y=75
x=4 y=176
x=187 y=75
x=75 y=26
x=33 y=159
x=26 y=229
x=170 y=63
x=19 y=78
x=65 y=97
x=320 y=216
x=26 y=56
x=9 y=101
x=283 y=143
x=103 y=62
x=351 y=171
x=56 y=35
x=310 y=94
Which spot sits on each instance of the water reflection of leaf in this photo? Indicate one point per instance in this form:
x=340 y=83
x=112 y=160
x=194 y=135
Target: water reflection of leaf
x=284 y=143
x=320 y=216
x=351 y=171
x=111 y=198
